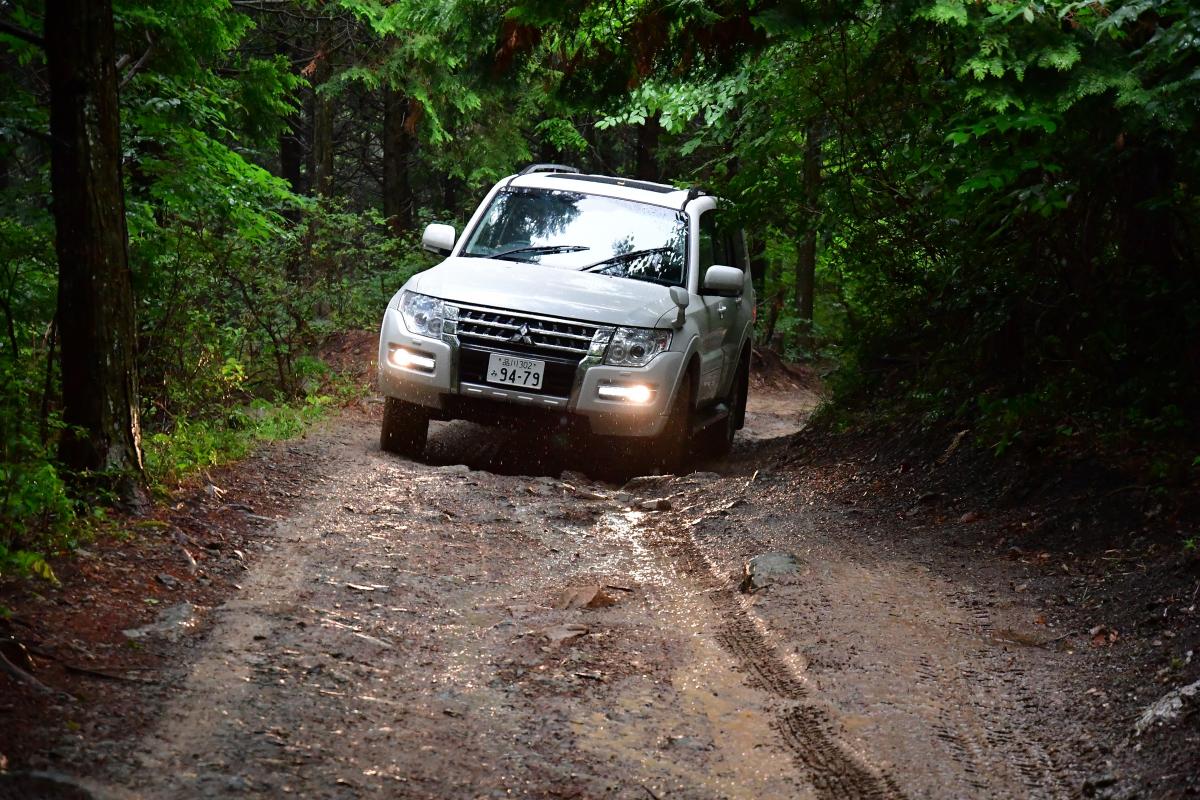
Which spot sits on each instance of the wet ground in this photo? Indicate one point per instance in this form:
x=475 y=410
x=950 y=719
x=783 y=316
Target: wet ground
x=443 y=629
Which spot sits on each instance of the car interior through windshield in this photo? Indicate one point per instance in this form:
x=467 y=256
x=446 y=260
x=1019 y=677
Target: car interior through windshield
x=586 y=232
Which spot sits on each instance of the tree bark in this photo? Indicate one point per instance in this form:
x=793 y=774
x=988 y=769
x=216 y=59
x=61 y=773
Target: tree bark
x=450 y=193
x=399 y=142
x=758 y=262
x=96 y=328
x=648 y=132
x=322 y=128
x=806 y=250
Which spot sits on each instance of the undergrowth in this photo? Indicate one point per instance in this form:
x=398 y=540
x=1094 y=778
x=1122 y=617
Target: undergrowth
x=231 y=319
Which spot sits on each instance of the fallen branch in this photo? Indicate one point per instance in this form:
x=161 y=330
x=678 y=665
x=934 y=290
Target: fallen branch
x=112 y=676
x=21 y=676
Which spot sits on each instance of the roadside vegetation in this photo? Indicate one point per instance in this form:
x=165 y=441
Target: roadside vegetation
x=984 y=214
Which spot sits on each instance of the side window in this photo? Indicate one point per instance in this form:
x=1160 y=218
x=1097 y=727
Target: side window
x=736 y=249
x=710 y=242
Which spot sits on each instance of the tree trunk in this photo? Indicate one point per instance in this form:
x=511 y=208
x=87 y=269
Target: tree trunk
x=291 y=156
x=291 y=161
x=647 y=149
x=398 y=144
x=291 y=143
x=774 y=303
x=96 y=328
x=322 y=128
x=806 y=249
x=450 y=191
x=758 y=263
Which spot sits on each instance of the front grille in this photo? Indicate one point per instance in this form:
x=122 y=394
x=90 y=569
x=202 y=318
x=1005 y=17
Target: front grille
x=543 y=338
x=557 y=379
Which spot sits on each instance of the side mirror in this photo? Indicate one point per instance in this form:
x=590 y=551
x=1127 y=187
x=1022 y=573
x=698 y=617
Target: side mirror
x=724 y=280
x=438 y=238
x=681 y=299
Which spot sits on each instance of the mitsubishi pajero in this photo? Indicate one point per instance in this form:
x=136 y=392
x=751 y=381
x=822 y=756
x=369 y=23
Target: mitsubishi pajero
x=619 y=308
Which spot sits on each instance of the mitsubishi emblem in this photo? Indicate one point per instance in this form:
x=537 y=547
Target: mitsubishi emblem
x=522 y=335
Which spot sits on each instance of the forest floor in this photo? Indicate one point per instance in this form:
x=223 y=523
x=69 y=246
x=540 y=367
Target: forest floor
x=816 y=616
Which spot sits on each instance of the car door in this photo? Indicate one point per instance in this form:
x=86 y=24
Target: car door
x=740 y=309
x=718 y=312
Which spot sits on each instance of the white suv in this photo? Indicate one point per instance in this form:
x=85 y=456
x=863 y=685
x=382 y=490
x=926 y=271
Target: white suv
x=614 y=306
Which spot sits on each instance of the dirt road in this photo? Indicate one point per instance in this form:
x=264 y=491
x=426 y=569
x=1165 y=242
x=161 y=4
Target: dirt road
x=445 y=630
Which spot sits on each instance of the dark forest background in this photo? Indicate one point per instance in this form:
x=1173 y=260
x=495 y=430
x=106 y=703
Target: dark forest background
x=978 y=214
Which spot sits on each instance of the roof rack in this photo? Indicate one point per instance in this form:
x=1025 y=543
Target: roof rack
x=692 y=194
x=648 y=186
x=548 y=168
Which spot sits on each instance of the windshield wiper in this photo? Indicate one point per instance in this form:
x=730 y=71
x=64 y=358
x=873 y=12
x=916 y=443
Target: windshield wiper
x=539 y=249
x=627 y=256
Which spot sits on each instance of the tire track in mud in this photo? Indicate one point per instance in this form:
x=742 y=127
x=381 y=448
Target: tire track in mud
x=806 y=729
x=1034 y=763
x=983 y=738
x=974 y=722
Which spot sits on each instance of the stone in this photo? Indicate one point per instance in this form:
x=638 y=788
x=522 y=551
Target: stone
x=169 y=581
x=1168 y=708
x=767 y=568
x=558 y=634
x=645 y=482
x=47 y=784
x=172 y=623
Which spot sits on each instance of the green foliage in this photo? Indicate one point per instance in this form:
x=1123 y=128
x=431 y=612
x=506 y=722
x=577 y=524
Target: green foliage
x=1006 y=211
x=24 y=563
x=238 y=279
x=194 y=445
x=1005 y=215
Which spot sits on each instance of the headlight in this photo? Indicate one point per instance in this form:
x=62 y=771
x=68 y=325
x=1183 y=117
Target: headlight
x=635 y=347
x=422 y=314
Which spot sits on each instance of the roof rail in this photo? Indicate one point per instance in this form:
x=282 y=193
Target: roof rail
x=548 y=168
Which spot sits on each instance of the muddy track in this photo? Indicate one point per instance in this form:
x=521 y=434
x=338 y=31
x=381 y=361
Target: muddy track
x=968 y=696
x=401 y=631
x=835 y=771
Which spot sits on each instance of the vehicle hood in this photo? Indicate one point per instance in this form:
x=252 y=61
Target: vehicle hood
x=545 y=290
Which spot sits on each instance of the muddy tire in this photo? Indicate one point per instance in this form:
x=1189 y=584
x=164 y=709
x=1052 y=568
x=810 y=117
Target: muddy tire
x=741 y=391
x=674 y=443
x=717 y=440
x=405 y=428
x=619 y=458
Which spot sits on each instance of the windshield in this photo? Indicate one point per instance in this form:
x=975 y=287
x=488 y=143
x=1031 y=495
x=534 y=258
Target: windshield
x=579 y=231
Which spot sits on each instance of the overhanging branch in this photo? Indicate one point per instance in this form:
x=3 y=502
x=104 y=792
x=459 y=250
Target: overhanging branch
x=24 y=34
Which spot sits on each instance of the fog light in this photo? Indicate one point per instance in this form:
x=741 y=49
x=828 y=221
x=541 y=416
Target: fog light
x=638 y=394
x=407 y=359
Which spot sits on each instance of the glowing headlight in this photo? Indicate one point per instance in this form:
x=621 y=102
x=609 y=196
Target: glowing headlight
x=422 y=314
x=407 y=359
x=635 y=347
x=638 y=394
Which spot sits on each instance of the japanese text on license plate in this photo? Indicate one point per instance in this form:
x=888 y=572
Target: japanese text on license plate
x=523 y=373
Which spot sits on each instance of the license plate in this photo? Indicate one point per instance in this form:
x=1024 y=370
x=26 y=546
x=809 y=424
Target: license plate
x=523 y=373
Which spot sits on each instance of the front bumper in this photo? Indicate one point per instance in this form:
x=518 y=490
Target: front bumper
x=434 y=388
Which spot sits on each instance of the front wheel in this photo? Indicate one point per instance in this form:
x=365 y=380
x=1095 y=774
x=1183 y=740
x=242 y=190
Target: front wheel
x=674 y=444
x=717 y=439
x=619 y=458
x=405 y=428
